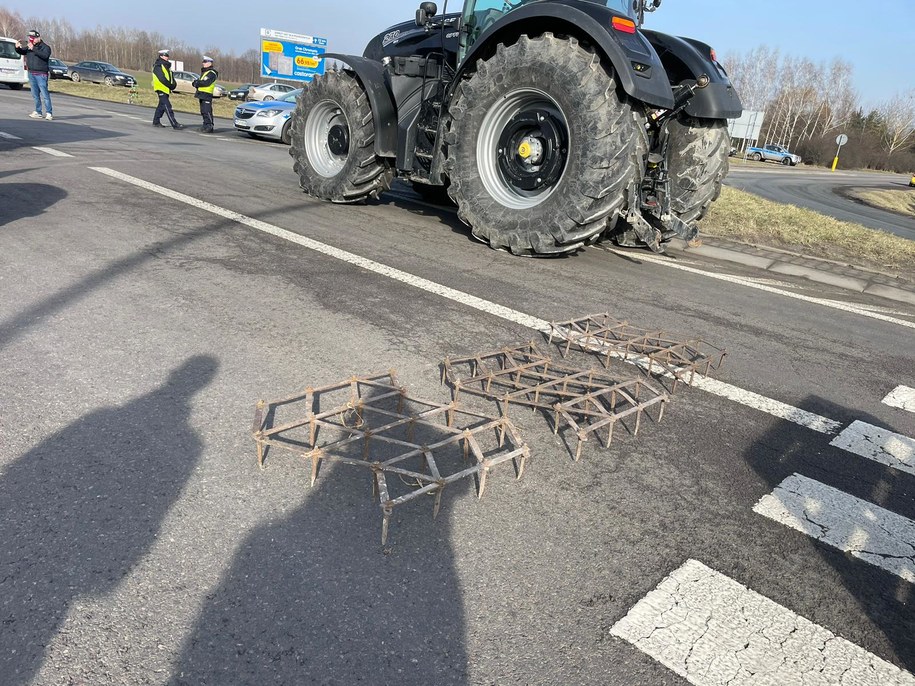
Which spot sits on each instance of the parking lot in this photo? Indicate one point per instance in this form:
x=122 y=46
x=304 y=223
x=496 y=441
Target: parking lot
x=156 y=284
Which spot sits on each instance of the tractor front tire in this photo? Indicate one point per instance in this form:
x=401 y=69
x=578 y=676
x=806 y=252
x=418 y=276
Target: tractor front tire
x=697 y=163
x=333 y=141
x=540 y=147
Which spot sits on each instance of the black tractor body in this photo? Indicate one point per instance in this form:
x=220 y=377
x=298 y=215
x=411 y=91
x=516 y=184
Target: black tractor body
x=548 y=121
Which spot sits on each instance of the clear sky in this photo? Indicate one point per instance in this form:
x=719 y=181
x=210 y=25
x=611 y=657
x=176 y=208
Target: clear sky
x=876 y=36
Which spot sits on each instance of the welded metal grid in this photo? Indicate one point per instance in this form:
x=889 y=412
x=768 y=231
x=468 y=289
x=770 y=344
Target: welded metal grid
x=588 y=400
x=372 y=423
x=655 y=351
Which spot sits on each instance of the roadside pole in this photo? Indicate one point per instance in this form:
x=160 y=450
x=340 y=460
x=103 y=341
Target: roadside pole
x=841 y=140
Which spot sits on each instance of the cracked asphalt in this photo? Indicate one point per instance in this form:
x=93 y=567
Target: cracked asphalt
x=141 y=544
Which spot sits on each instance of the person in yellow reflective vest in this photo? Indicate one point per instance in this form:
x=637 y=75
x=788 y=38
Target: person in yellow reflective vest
x=164 y=83
x=206 y=86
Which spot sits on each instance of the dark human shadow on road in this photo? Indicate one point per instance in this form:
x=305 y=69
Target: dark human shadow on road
x=79 y=510
x=13 y=172
x=22 y=200
x=884 y=597
x=20 y=323
x=49 y=133
x=312 y=597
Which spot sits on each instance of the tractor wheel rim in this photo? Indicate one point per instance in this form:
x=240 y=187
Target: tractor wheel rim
x=522 y=149
x=326 y=129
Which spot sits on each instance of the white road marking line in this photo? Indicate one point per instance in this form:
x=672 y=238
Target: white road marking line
x=51 y=151
x=879 y=445
x=126 y=116
x=902 y=397
x=712 y=630
x=852 y=525
x=348 y=257
x=776 y=408
x=725 y=390
x=749 y=283
x=9 y=136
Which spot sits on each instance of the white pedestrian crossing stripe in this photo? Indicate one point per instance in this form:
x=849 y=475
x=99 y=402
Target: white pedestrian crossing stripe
x=712 y=631
x=902 y=397
x=880 y=445
x=52 y=151
x=852 y=525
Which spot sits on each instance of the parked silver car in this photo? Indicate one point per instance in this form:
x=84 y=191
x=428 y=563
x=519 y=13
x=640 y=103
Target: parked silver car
x=269 y=119
x=184 y=79
x=268 y=91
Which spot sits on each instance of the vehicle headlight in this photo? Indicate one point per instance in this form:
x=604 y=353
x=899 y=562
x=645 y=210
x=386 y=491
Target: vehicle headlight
x=268 y=113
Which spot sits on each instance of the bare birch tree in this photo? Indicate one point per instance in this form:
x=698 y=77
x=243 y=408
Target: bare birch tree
x=898 y=115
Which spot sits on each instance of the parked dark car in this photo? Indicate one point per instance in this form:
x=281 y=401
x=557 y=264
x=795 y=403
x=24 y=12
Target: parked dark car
x=101 y=72
x=58 y=70
x=241 y=92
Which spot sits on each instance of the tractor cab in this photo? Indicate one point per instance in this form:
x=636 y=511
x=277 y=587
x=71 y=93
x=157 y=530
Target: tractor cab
x=479 y=15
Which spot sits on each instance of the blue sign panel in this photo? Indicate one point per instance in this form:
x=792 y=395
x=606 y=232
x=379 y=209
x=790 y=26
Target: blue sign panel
x=291 y=56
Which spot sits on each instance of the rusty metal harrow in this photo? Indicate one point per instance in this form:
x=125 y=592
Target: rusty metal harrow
x=654 y=351
x=371 y=422
x=588 y=400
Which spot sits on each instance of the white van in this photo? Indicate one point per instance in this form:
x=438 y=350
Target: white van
x=12 y=66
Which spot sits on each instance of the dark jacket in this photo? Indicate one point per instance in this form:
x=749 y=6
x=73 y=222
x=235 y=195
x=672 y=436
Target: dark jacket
x=208 y=79
x=36 y=59
x=160 y=73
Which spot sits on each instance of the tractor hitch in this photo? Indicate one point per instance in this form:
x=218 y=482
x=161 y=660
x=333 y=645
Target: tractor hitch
x=650 y=215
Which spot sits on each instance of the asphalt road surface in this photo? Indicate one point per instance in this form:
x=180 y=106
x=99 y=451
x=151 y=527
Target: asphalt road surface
x=155 y=284
x=822 y=191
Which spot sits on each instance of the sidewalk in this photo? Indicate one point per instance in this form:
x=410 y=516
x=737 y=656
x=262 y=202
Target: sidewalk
x=853 y=278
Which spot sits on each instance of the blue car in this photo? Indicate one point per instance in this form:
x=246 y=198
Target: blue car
x=268 y=119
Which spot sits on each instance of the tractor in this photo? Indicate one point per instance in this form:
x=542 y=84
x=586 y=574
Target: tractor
x=550 y=123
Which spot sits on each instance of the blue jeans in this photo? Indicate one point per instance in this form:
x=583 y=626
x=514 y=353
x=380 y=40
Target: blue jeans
x=38 y=83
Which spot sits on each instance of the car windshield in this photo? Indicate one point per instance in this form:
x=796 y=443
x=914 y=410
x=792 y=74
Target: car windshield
x=104 y=66
x=8 y=51
x=291 y=96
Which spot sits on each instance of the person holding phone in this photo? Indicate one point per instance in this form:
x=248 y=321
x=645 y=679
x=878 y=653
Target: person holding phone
x=37 y=54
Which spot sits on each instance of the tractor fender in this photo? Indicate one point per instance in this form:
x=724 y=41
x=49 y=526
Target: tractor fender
x=371 y=75
x=591 y=22
x=686 y=59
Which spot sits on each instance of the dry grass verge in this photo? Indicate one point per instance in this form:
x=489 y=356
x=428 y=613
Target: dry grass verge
x=746 y=217
x=901 y=201
x=146 y=97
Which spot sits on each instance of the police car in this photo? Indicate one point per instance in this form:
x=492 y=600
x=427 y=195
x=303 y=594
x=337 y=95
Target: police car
x=267 y=119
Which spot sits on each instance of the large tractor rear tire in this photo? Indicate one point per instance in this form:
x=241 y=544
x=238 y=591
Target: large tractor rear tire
x=333 y=141
x=697 y=162
x=540 y=147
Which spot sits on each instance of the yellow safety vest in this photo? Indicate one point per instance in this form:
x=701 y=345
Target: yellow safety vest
x=207 y=89
x=158 y=85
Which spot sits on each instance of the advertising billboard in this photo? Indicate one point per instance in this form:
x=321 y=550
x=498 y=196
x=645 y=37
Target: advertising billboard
x=748 y=127
x=291 y=56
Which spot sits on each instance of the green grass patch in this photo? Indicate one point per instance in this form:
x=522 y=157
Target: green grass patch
x=746 y=217
x=901 y=201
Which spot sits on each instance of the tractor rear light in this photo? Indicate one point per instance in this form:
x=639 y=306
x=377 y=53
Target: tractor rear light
x=624 y=25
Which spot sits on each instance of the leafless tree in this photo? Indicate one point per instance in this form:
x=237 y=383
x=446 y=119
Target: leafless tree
x=898 y=115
